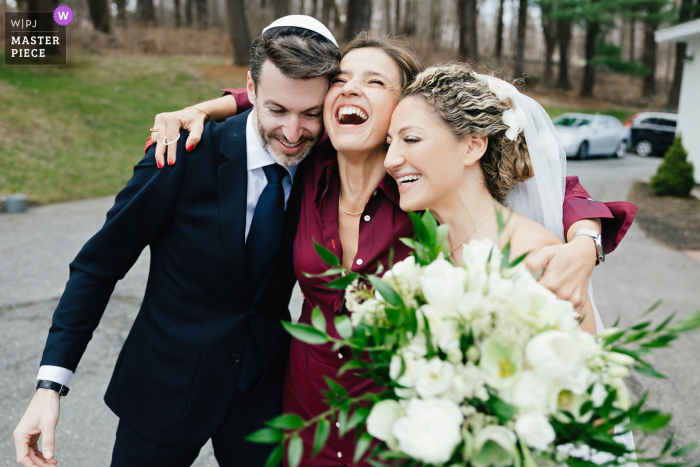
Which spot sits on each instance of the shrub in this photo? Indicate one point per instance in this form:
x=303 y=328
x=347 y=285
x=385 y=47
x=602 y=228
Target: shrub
x=675 y=174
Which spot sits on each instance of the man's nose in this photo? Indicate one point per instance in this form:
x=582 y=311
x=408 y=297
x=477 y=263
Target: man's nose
x=293 y=130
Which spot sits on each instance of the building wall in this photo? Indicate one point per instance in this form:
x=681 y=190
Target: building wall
x=689 y=106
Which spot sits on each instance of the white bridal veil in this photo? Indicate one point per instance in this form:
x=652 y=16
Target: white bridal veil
x=541 y=197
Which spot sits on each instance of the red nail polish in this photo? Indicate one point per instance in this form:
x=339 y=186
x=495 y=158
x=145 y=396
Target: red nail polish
x=190 y=147
x=160 y=165
x=170 y=161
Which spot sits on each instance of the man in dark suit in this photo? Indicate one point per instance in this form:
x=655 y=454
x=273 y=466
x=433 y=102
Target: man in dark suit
x=206 y=356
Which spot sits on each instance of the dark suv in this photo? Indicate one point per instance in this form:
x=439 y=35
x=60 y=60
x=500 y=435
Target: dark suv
x=653 y=132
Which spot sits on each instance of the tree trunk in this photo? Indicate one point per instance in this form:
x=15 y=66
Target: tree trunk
x=674 y=95
x=188 y=12
x=99 y=14
x=281 y=8
x=435 y=31
x=549 y=28
x=326 y=11
x=240 y=38
x=564 y=36
x=499 y=30
x=359 y=17
x=466 y=13
x=44 y=22
x=630 y=53
x=397 y=16
x=410 y=24
x=202 y=14
x=520 y=48
x=589 y=69
x=121 y=12
x=146 y=12
x=649 y=59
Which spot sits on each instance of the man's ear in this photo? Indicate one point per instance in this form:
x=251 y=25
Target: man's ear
x=250 y=87
x=474 y=148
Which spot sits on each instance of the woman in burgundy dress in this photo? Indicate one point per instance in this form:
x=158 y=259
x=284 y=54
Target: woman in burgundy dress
x=350 y=205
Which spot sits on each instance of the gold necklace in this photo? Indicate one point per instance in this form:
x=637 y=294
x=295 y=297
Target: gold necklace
x=340 y=197
x=470 y=235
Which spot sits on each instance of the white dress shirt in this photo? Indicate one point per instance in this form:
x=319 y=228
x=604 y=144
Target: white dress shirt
x=257 y=158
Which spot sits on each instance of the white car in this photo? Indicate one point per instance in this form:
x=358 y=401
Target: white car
x=584 y=135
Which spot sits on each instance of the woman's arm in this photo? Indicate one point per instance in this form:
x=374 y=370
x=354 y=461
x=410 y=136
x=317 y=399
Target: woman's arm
x=193 y=119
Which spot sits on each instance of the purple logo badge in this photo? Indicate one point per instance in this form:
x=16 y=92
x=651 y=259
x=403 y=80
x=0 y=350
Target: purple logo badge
x=63 y=15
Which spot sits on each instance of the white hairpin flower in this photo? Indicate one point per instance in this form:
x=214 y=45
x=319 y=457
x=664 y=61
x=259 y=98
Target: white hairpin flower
x=516 y=121
x=500 y=88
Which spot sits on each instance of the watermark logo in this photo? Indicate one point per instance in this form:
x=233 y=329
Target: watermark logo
x=63 y=15
x=37 y=37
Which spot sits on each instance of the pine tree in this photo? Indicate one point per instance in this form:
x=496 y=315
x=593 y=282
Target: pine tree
x=674 y=176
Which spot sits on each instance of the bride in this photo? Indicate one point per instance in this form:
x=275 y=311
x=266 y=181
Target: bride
x=458 y=140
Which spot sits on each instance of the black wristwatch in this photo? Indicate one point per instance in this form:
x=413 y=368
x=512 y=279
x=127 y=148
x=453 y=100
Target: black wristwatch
x=59 y=388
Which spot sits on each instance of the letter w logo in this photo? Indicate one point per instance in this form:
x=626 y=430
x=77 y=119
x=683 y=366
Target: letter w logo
x=63 y=15
x=16 y=24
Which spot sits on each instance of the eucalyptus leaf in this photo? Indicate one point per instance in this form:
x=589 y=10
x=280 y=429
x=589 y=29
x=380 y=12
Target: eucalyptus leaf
x=354 y=364
x=386 y=291
x=266 y=436
x=318 y=320
x=323 y=429
x=343 y=282
x=305 y=333
x=343 y=326
x=275 y=456
x=286 y=422
x=687 y=449
x=326 y=255
x=295 y=450
x=362 y=444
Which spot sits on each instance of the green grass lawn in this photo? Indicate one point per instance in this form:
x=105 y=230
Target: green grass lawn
x=76 y=131
x=620 y=114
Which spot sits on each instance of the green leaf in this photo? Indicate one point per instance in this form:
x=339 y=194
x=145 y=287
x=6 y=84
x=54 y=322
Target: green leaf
x=637 y=336
x=318 y=320
x=655 y=423
x=387 y=292
x=501 y=222
x=641 y=326
x=362 y=445
x=647 y=370
x=343 y=421
x=528 y=461
x=330 y=272
x=360 y=414
x=504 y=411
x=342 y=282
x=518 y=260
x=266 y=436
x=305 y=333
x=687 y=449
x=326 y=255
x=295 y=450
x=665 y=322
x=686 y=323
x=275 y=456
x=669 y=443
x=505 y=258
x=430 y=225
x=614 y=337
x=442 y=232
x=337 y=389
x=323 y=429
x=343 y=326
x=355 y=364
x=286 y=422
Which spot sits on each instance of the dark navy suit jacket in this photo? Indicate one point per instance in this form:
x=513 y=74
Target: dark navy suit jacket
x=186 y=352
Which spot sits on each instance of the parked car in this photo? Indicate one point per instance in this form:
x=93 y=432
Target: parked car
x=583 y=135
x=653 y=132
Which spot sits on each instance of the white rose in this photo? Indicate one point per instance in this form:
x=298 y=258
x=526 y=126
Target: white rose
x=535 y=430
x=405 y=278
x=530 y=393
x=442 y=284
x=553 y=355
x=430 y=431
x=381 y=421
x=500 y=450
x=411 y=369
x=434 y=378
x=475 y=255
x=445 y=333
x=455 y=355
x=599 y=394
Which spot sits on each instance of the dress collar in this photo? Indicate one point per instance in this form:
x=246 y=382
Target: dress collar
x=327 y=169
x=257 y=156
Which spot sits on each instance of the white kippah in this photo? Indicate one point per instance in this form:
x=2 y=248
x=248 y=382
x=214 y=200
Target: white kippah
x=305 y=22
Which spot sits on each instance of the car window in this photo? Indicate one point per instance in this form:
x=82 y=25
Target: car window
x=565 y=121
x=665 y=122
x=649 y=121
x=583 y=122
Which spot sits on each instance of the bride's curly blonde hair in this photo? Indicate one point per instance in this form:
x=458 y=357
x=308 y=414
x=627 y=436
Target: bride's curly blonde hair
x=467 y=106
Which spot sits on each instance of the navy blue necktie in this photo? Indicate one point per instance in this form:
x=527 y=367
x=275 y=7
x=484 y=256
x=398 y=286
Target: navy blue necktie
x=265 y=234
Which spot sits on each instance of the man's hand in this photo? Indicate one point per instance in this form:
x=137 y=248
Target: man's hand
x=567 y=269
x=40 y=419
x=169 y=124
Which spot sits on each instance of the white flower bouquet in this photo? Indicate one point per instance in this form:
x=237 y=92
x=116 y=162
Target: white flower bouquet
x=481 y=366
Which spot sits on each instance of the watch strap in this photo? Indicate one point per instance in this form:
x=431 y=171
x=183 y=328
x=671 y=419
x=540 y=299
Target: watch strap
x=597 y=239
x=59 y=388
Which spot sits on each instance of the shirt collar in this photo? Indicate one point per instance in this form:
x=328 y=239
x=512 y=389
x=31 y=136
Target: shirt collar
x=257 y=156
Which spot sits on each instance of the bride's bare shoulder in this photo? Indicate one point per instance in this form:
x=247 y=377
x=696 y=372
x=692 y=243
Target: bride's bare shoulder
x=526 y=235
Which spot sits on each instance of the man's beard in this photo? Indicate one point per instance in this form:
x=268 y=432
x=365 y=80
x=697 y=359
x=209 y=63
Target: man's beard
x=283 y=159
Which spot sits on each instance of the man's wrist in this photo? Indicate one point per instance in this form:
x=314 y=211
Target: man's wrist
x=60 y=389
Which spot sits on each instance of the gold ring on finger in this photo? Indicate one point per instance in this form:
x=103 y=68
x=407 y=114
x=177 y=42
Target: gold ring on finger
x=155 y=128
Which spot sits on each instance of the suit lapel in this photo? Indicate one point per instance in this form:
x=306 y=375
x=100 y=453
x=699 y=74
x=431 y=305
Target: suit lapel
x=289 y=229
x=233 y=189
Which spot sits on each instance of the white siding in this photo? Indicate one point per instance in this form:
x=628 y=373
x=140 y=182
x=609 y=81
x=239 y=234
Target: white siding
x=689 y=105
